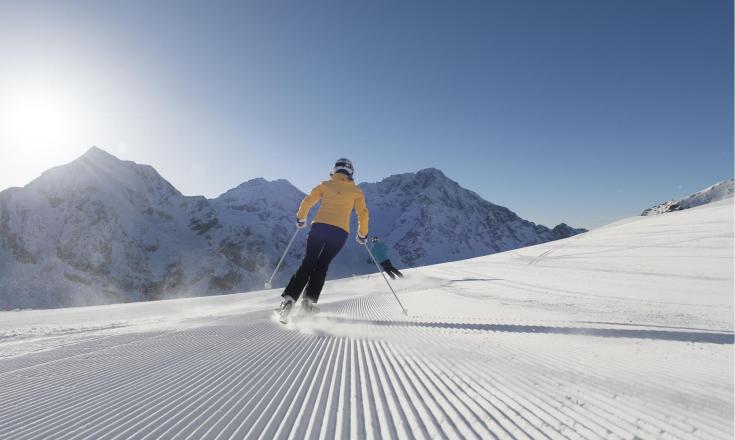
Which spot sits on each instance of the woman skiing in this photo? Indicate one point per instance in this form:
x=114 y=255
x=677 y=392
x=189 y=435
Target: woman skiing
x=380 y=252
x=339 y=196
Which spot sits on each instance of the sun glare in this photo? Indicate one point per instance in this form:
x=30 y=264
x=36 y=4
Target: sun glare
x=41 y=124
x=33 y=119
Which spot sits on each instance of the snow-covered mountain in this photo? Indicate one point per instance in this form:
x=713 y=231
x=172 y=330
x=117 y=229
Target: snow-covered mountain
x=101 y=230
x=427 y=218
x=719 y=191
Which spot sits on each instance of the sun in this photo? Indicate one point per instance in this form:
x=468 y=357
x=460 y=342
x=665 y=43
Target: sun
x=42 y=123
x=36 y=118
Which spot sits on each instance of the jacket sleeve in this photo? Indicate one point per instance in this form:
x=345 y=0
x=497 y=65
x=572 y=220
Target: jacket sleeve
x=309 y=202
x=362 y=215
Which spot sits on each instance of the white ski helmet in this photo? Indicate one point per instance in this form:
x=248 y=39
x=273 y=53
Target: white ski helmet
x=343 y=166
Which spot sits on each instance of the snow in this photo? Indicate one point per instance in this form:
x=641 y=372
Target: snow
x=719 y=191
x=622 y=332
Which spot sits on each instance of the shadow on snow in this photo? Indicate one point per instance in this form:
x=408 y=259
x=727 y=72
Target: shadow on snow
x=666 y=335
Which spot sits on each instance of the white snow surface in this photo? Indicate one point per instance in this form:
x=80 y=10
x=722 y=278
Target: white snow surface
x=622 y=332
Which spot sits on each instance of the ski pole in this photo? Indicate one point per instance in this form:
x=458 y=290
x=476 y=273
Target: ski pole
x=268 y=283
x=405 y=312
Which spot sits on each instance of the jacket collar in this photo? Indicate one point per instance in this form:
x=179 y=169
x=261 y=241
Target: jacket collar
x=339 y=177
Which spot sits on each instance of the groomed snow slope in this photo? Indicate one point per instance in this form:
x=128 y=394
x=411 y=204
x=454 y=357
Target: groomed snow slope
x=623 y=332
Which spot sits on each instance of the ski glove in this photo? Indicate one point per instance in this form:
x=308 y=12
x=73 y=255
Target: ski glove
x=300 y=223
x=360 y=239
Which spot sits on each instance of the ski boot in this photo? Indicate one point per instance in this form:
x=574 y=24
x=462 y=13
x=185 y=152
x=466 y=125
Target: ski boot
x=308 y=307
x=284 y=309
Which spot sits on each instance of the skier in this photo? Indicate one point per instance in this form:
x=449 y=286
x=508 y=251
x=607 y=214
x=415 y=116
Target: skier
x=339 y=196
x=380 y=252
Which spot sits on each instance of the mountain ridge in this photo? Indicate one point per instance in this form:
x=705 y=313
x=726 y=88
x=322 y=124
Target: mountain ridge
x=101 y=229
x=719 y=191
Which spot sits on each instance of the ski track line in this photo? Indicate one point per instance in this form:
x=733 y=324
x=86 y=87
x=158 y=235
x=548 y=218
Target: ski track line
x=603 y=381
x=451 y=367
x=395 y=408
x=536 y=417
x=618 y=391
x=62 y=397
x=183 y=417
x=669 y=421
x=414 y=412
x=27 y=361
x=284 y=398
x=575 y=418
x=485 y=422
x=95 y=391
x=60 y=400
x=519 y=425
x=357 y=382
x=249 y=377
x=630 y=394
x=197 y=389
x=447 y=405
x=587 y=392
x=295 y=416
x=248 y=382
x=161 y=422
x=367 y=393
x=344 y=402
x=612 y=427
x=86 y=337
x=251 y=390
x=422 y=404
x=572 y=420
x=255 y=397
x=47 y=369
x=322 y=400
x=267 y=389
x=136 y=337
x=519 y=407
x=711 y=419
x=442 y=416
x=141 y=386
x=64 y=414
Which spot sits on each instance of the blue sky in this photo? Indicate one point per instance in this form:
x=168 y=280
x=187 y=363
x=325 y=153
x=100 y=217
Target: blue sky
x=576 y=111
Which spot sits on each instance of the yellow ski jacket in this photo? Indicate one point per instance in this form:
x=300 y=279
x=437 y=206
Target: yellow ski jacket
x=339 y=195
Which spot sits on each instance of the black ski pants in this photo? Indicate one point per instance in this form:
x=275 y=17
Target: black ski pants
x=390 y=269
x=323 y=243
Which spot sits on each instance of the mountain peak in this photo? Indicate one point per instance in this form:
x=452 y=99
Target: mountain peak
x=102 y=172
x=260 y=182
x=98 y=161
x=96 y=154
x=261 y=188
x=430 y=175
x=96 y=158
x=431 y=171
